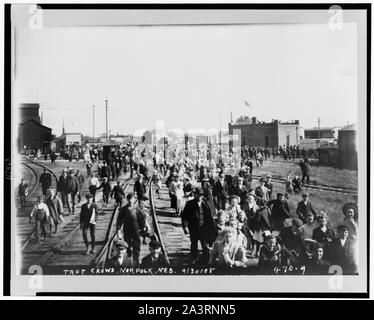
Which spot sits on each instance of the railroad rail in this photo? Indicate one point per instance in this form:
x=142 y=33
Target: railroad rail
x=316 y=187
x=106 y=252
x=64 y=244
x=155 y=223
x=35 y=184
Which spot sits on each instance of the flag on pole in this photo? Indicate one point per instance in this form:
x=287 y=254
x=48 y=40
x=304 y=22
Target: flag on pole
x=247 y=104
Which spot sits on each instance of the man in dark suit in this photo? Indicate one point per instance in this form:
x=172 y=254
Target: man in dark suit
x=341 y=251
x=140 y=189
x=46 y=181
x=72 y=187
x=304 y=207
x=81 y=182
x=88 y=218
x=131 y=222
x=241 y=191
x=118 y=194
x=221 y=192
x=63 y=189
x=105 y=171
x=197 y=220
x=23 y=192
x=155 y=259
x=304 y=165
x=317 y=265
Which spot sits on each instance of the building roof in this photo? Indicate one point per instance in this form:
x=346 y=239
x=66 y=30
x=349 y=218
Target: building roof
x=351 y=127
x=36 y=122
x=321 y=128
x=63 y=136
x=29 y=105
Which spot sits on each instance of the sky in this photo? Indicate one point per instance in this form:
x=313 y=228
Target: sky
x=190 y=77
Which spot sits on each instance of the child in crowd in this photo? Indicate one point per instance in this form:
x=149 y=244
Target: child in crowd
x=323 y=234
x=269 y=254
x=179 y=193
x=350 y=220
x=308 y=227
x=296 y=184
x=289 y=188
x=244 y=228
x=239 y=236
x=226 y=252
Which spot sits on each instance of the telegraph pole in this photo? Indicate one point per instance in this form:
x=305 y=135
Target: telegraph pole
x=106 y=117
x=220 y=137
x=319 y=128
x=93 y=123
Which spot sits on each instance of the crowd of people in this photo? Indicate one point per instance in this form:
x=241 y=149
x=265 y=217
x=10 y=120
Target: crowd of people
x=240 y=222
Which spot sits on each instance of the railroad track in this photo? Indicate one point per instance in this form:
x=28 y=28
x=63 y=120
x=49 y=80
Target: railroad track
x=61 y=250
x=316 y=187
x=35 y=185
x=107 y=251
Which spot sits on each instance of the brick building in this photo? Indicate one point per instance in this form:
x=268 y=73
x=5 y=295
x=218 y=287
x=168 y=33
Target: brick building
x=32 y=134
x=272 y=134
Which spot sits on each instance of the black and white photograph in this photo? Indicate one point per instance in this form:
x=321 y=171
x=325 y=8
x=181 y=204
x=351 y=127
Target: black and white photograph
x=189 y=150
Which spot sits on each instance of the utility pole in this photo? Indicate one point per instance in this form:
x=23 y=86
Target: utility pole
x=220 y=138
x=319 y=128
x=93 y=123
x=106 y=117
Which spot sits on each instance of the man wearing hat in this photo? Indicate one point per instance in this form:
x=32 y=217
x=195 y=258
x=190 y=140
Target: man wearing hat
x=46 y=181
x=41 y=212
x=88 y=217
x=197 y=220
x=56 y=209
x=140 y=189
x=155 y=259
x=81 y=179
x=105 y=185
x=261 y=191
x=120 y=260
x=304 y=207
x=279 y=212
x=317 y=265
x=93 y=185
x=241 y=191
x=269 y=185
x=118 y=194
x=72 y=187
x=290 y=237
x=131 y=222
x=340 y=251
x=221 y=192
x=23 y=190
x=63 y=188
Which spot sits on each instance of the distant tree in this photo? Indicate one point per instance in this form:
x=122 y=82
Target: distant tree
x=243 y=120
